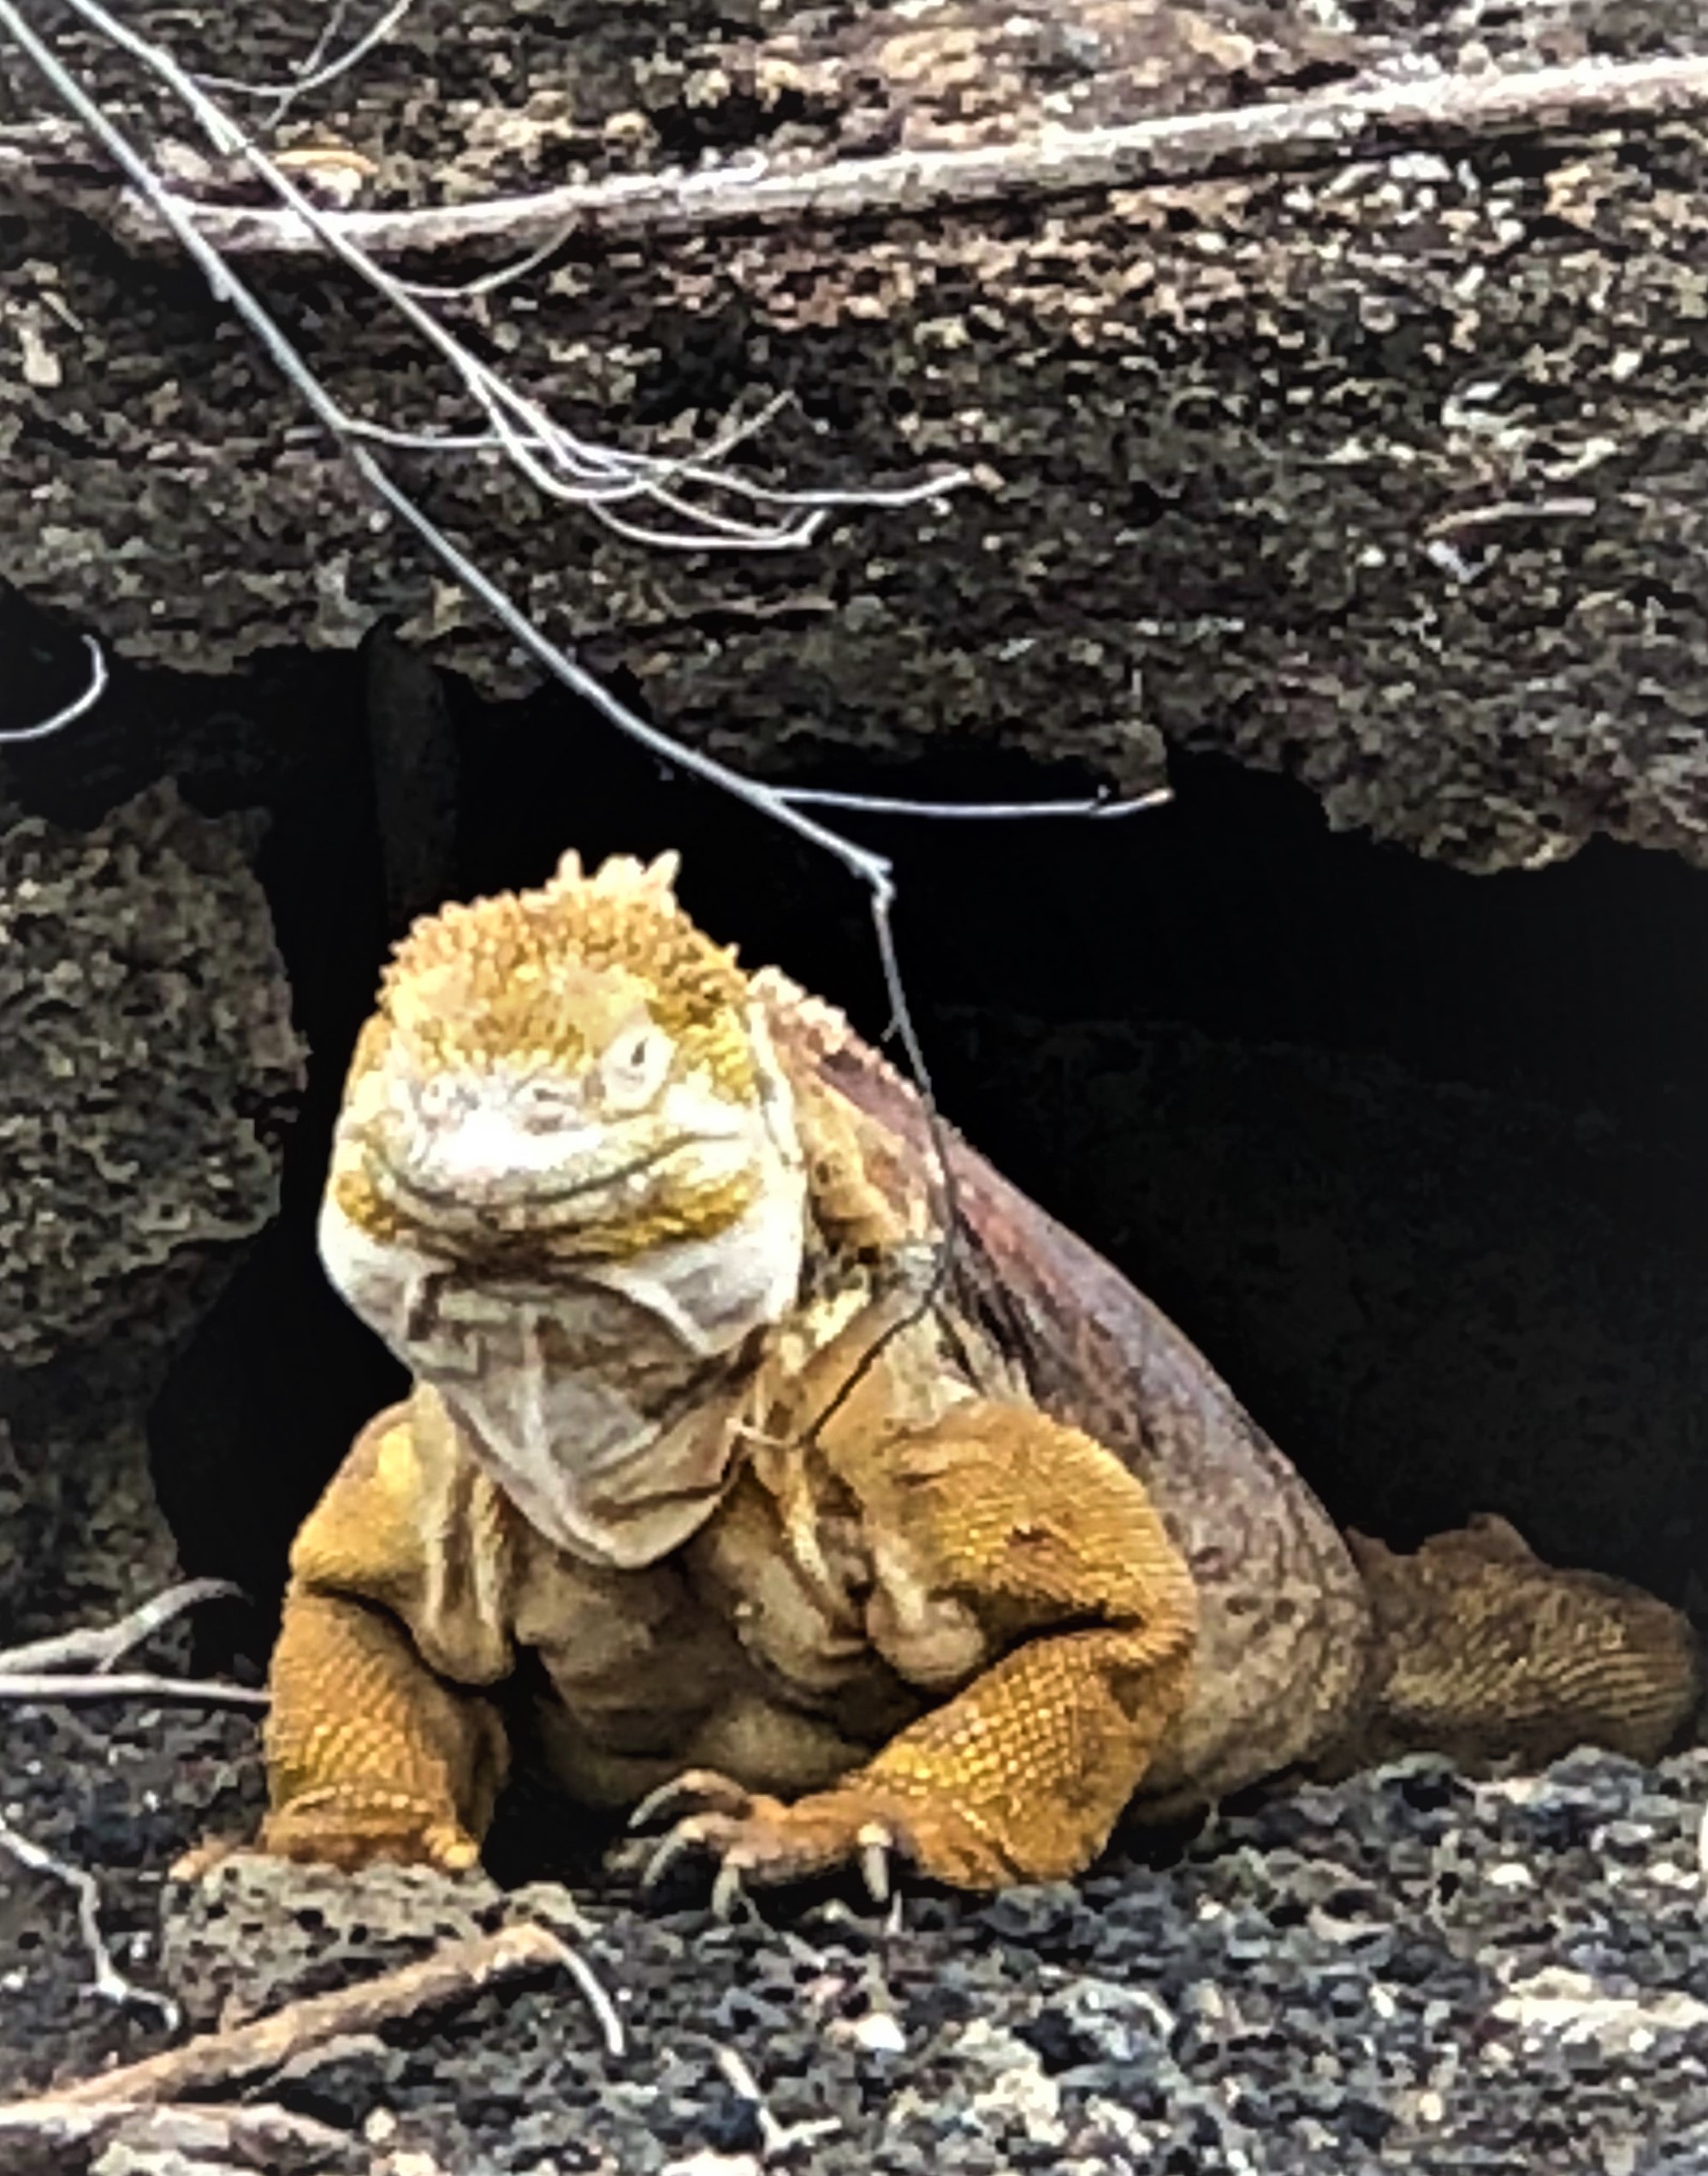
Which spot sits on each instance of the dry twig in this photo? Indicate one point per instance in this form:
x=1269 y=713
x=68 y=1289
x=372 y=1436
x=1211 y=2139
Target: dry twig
x=775 y=2137
x=50 y=1686
x=46 y=2136
x=78 y=706
x=1444 y=111
x=100 y=1647
x=885 y=805
x=317 y=72
x=873 y=869
x=558 y=464
x=457 y=1971
x=108 y=1982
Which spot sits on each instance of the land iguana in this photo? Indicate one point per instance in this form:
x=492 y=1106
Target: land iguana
x=753 y=1504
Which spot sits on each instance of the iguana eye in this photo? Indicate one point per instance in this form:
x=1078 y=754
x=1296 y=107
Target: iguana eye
x=633 y=1067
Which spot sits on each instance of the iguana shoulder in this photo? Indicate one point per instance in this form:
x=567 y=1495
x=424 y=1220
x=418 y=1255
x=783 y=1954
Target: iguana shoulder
x=1284 y=1630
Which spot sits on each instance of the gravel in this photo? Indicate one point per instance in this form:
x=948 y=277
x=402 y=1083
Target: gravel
x=1412 y=1970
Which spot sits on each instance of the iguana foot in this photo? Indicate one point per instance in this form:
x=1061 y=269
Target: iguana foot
x=763 y=1841
x=857 y=1824
x=350 y=1830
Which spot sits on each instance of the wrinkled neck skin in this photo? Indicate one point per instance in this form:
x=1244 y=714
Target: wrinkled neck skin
x=605 y=1398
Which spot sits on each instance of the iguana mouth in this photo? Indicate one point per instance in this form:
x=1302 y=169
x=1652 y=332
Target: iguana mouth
x=461 y=1206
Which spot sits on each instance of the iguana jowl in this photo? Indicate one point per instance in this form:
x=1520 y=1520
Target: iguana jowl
x=966 y=1567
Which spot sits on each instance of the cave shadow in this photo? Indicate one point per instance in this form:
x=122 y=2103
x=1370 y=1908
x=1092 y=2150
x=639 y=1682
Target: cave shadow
x=1414 y=1156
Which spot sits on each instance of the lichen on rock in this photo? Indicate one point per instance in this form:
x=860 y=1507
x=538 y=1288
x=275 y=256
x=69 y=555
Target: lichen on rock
x=1376 y=465
x=150 y=1069
x=148 y=1072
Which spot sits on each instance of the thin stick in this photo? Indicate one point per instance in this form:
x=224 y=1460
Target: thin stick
x=1499 y=510
x=78 y=705
x=100 y=1646
x=456 y=1972
x=873 y=869
x=775 y=2138
x=47 y=1686
x=884 y=804
x=39 y=2135
x=1446 y=110
x=314 y=76
x=108 y=1982
x=572 y=470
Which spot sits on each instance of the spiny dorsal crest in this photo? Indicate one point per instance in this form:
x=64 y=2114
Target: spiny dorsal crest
x=543 y=976
x=623 y=876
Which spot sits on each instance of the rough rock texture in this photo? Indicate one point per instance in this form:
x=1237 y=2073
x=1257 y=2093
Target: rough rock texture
x=1408 y=1970
x=148 y=1070
x=1382 y=469
x=120 y=1790
x=254 y=1932
x=139 y=985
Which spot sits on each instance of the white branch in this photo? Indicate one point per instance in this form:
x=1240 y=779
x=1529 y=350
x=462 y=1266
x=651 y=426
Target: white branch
x=776 y=2140
x=558 y=464
x=884 y=804
x=872 y=869
x=108 y=1982
x=47 y=1688
x=314 y=76
x=76 y=707
x=92 y=1647
x=1446 y=110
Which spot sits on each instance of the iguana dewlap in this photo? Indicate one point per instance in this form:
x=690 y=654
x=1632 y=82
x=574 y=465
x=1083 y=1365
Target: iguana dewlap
x=711 y=1466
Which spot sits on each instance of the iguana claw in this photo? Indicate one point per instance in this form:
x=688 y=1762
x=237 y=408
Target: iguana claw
x=702 y=1788
x=763 y=1841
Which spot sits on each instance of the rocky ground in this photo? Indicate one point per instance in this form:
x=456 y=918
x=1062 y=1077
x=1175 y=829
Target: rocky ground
x=1411 y=1970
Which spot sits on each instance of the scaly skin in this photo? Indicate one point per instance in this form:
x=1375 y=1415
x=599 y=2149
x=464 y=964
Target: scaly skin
x=821 y=1554
x=1071 y=1587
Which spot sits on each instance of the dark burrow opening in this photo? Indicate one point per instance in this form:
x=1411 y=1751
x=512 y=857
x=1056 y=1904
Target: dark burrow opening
x=1415 y=1157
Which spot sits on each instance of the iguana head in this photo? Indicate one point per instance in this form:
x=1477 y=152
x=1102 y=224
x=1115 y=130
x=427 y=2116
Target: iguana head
x=570 y=1074
x=566 y=1190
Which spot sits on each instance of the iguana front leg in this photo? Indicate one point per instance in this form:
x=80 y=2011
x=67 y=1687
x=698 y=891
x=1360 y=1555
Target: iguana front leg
x=369 y=1755
x=995 y=1533
x=378 y=1744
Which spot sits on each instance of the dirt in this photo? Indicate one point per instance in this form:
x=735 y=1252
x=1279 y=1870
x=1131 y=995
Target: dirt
x=1410 y=1971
